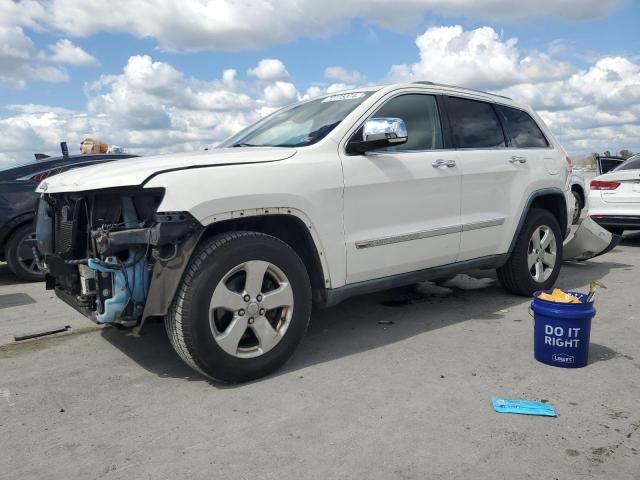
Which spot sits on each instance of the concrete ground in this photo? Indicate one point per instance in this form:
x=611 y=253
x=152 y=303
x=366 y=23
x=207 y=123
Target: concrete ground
x=359 y=399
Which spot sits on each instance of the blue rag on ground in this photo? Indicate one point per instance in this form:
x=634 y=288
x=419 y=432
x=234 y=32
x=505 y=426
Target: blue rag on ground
x=523 y=407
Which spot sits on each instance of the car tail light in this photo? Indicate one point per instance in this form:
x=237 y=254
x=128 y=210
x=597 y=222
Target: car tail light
x=38 y=177
x=603 y=185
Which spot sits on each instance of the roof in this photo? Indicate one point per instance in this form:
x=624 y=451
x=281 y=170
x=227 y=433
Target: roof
x=439 y=87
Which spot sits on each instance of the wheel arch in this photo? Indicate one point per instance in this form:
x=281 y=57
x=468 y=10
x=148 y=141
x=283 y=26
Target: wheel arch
x=578 y=188
x=10 y=227
x=550 y=199
x=287 y=225
x=290 y=226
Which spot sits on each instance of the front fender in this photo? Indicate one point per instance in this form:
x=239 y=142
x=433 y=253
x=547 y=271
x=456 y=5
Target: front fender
x=309 y=188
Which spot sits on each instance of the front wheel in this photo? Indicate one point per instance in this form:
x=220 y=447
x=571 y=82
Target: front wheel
x=20 y=255
x=534 y=263
x=242 y=307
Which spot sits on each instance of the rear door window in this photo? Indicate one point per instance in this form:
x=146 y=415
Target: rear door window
x=474 y=124
x=522 y=131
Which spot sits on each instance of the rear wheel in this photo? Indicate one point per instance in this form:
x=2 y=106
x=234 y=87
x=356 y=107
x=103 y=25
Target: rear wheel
x=242 y=307
x=534 y=263
x=20 y=255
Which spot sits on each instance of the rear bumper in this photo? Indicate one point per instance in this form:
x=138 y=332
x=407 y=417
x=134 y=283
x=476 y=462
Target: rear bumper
x=627 y=222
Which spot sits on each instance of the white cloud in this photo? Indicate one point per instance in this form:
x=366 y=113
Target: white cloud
x=269 y=70
x=478 y=58
x=150 y=107
x=344 y=75
x=233 y=24
x=280 y=93
x=64 y=51
x=594 y=108
x=18 y=63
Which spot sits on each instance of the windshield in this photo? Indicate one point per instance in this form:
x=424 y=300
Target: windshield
x=631 y=163
x=299 y=125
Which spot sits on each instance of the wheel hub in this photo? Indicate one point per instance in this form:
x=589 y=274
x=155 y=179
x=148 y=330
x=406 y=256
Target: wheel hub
x=253 y=308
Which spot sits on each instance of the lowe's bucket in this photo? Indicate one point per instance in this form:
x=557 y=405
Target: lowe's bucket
x=561 y=331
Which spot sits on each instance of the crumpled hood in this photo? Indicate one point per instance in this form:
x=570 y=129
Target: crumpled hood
x=134 y=171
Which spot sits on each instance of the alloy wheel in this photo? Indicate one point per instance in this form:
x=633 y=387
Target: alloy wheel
x=26 y=256
x=251 y=309
x=542 y=253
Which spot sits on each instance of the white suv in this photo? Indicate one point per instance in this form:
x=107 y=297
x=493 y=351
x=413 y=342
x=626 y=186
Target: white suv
x=336 y=196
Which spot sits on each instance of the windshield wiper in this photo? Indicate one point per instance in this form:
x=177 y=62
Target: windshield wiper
x=246 y=145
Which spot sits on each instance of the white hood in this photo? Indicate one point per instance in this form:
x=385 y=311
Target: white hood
x=134 y=171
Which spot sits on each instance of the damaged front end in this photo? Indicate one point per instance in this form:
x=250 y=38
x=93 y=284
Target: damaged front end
x=103 y=248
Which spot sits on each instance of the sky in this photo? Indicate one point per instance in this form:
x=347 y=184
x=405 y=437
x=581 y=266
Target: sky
x=161 y=76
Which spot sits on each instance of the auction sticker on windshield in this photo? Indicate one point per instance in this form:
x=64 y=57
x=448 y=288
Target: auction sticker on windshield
x=343 y=96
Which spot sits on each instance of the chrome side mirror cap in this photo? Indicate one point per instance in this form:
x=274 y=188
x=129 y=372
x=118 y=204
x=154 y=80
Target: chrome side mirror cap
x=379 y=133
x=393 y=130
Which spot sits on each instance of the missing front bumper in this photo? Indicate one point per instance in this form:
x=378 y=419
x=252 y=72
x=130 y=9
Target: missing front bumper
x=589 y=240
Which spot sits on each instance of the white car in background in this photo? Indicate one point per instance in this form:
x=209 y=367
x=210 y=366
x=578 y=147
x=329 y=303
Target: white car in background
x=614 y=197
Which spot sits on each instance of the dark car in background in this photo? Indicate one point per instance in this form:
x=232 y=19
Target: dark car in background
x=18 y=202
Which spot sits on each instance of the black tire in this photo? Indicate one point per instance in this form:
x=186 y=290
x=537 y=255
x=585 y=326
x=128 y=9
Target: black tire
x=188 y=323
x=515 y=275
x=579 y=207
x=19 y=255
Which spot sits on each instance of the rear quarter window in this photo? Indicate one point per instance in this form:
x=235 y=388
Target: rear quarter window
x=632 y=163
x=521 y=130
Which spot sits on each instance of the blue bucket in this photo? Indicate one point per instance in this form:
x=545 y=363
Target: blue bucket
x=561 y=331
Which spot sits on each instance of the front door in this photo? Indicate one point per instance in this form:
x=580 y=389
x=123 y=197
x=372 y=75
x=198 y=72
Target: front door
x=402 y=203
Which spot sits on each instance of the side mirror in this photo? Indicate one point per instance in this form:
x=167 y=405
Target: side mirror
x=380 y=133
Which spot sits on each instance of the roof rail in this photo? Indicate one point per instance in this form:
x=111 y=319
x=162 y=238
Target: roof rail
x=426 y=82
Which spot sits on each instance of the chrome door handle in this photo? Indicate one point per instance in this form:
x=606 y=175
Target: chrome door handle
x=516 y=159
x=443 y=163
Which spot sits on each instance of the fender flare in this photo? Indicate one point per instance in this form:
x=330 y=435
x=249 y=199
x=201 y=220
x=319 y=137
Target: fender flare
x=288 y=211
x=543 y=192
x=167 y=275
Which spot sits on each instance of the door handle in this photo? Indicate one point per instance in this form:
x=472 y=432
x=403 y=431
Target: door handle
x=443 y=163
x=516 y=159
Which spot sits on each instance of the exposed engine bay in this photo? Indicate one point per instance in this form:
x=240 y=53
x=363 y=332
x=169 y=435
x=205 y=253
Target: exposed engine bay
x=101 y=248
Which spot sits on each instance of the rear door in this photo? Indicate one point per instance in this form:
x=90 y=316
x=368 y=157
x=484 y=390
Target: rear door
x=498 y=169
